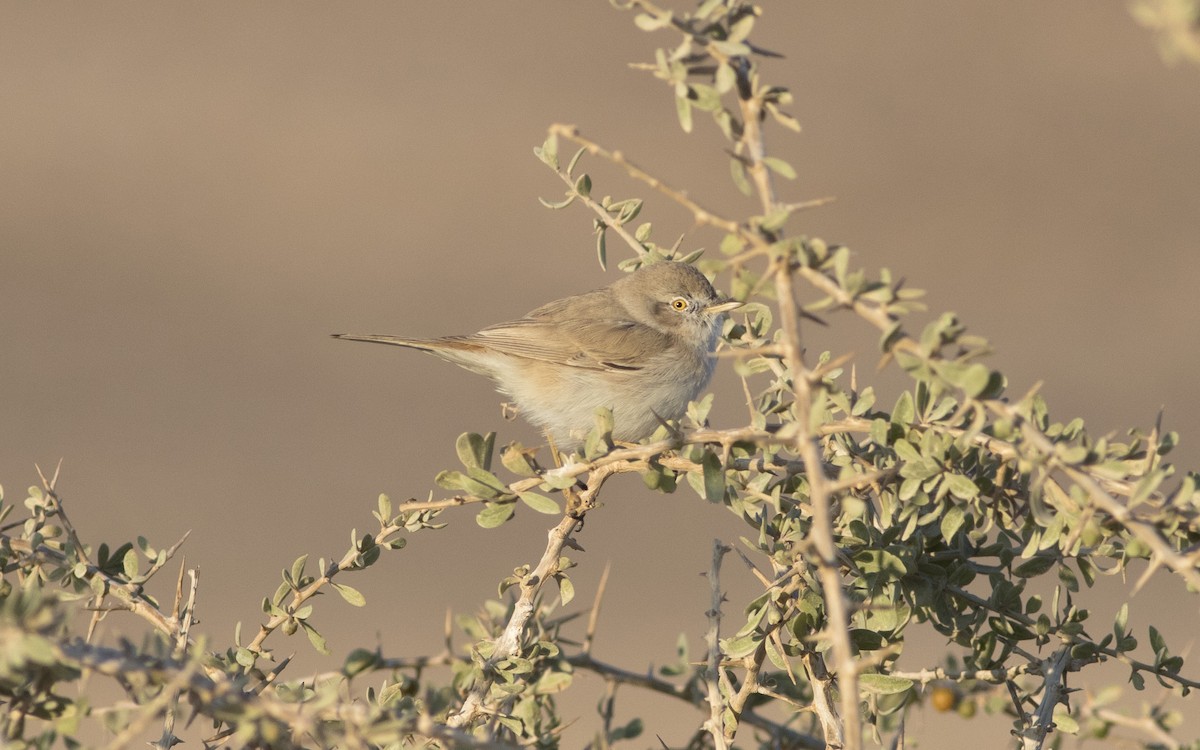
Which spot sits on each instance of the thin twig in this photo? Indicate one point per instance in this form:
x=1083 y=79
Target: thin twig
x=1054 y=669
x=130 y=596
x=185 y=617
x=715 y=724
x=508 y=643
x=821 y=536
x=789 y=737
x=299 y=596
x=1143 y=724
x=594 y=615
x=186 y=676
x=993 y=676
x=607 y=218
x=699 y=213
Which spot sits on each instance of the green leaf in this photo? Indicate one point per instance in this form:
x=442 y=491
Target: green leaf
x=583 y=186
x=351 y=595
x=516 y=460
x=475 y=482
x=130 y=564
x=628 y=732
x=742 y=645
x=548 y=151
x=866 y=640
x=841 y=264
x=975 y=380
x=784 y=119
x=1064 y=722
x=495 y=514
x=683 y=108
x=741 y=29
x=780 y=167
x=36 y=649
x=884 y=684
x=560 y=204
x=566 y=589
x=553 y=682
x=881 y=561
x=575 y=160
x=704 y=98
x=960 y=486
x=660 y=479
x=245 y=657
x=732 y=244
x=737 y=170
x=1157 y=643
x=538 y=502
x=1121 y=623
x=358 y=661
x=316 y=639
x=904 y=412
x=778 y=660
x=602 y=249
x=725 y=78
x=906 y=450
x=890 y=337
x=697 y=411
x=952 y=521
x=864 y=402
x=297 y=571
x=880 y=431
x=776 y=219
x=714 y=477
x=1033 y=567
x=648 y=22
x=475 y=451
x=627 y=210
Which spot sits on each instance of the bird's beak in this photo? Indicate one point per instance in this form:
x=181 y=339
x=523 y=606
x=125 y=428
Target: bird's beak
x=723 y=306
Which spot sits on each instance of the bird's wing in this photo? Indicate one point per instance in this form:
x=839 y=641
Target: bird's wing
x=594 y=344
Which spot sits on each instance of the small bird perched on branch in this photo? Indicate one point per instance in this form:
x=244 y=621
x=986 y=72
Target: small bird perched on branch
x=642 y=347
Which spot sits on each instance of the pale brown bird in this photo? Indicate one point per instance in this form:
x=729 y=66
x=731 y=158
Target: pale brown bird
x=642 y=346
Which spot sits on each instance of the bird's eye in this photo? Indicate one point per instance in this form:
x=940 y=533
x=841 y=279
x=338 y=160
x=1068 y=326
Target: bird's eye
x=679 y=303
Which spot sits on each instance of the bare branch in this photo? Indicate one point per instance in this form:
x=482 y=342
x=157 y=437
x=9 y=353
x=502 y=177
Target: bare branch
x=715 y=725
x=789 y=737
x=594 y=614
x=1054 y=672
x=508 y=643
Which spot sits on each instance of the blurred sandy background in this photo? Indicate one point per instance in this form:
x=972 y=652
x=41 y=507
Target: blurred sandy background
x=194 y=196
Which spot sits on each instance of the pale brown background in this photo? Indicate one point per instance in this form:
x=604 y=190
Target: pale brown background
x=194 y=197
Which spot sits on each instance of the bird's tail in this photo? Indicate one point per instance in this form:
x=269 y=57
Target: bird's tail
x=457 y=349
x=421 y=344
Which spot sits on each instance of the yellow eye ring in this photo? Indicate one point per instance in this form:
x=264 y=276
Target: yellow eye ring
x=679 y=303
